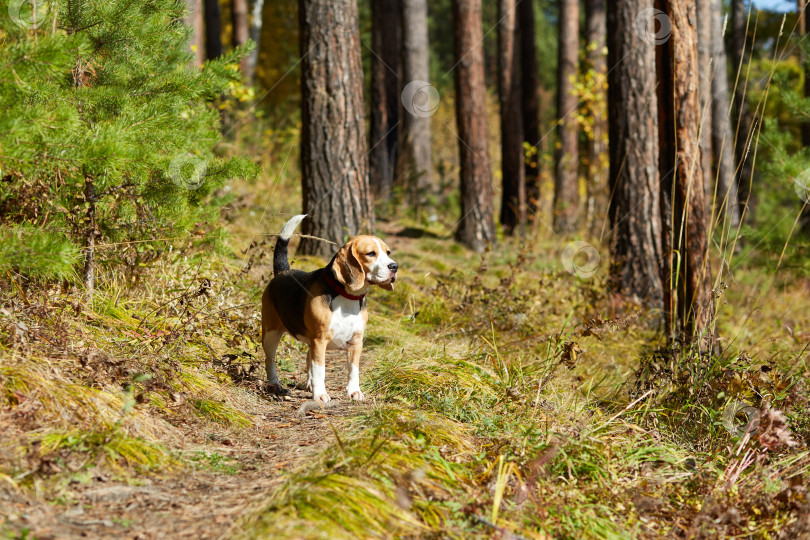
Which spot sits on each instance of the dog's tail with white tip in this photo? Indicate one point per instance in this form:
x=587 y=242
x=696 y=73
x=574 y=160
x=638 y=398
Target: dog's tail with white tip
x=280 y=262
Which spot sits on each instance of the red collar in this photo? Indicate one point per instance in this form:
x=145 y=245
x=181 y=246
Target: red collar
x=338 y=288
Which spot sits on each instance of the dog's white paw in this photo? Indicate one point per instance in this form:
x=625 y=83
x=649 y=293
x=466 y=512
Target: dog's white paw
x=357 y=395
x=322 y=398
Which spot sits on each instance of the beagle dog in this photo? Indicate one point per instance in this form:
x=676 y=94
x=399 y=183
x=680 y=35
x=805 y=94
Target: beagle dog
x=326 y=309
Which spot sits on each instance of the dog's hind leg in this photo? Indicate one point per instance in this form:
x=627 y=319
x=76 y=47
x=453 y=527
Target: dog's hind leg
x=270 y=343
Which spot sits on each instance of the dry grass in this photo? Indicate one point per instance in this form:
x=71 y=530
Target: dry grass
x=507 y=395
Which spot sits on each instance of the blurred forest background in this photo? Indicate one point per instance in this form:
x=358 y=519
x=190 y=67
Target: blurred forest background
x=600 y=209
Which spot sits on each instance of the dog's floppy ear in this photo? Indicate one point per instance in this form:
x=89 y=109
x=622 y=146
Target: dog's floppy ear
x=347 y=267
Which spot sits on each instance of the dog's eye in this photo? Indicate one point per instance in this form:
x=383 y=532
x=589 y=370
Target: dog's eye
x=388 y=252
x=372 y=253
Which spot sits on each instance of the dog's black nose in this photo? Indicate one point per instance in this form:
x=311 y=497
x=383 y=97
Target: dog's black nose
x=393 y=267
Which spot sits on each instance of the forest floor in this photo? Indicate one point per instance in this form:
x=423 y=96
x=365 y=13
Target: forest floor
x=505 y=397
x=230 y=471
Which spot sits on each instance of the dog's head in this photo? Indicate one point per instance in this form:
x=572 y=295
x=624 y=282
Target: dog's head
x=363 y=261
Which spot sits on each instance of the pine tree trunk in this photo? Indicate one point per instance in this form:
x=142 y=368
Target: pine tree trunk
x=334 y=168
x=195 y=20
x=634 y=211
x=255 y=35
x=802 y=29
x=415 y=171
x=566 y=188
x=89 y=275
x=743 y=132
x=595 y=27
x=704 y=43
x=476 y=228
x=213 y=30
x=513 y=202
x=385 y=88
x=530 y=105
x=239 y=28
x=722 y=136
x=684 y=228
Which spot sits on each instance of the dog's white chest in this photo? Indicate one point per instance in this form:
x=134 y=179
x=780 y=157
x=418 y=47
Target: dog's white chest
x=347 y=322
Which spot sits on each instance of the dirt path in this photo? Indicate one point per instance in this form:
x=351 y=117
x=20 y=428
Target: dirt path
x=200 y=502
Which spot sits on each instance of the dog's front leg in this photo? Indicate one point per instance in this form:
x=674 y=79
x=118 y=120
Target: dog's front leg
x=310 y=387
x=317 y=358
x=353 y=388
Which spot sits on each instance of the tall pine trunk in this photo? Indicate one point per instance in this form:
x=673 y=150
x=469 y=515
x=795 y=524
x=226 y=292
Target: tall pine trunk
x=213 y=30
x=89 y=275
x=476 y=228
x=802 y=29
x=634 y=213
x=704 y=45
x=743 y=131
x=415 y=171
x=195 y=20
x=530 y=105
x=595 y=28
x=566 y=188
x=255 y=35
x=686 y=273
x=239 y=32
x=722 y=136
x=513 y=202
x=385 y=88
x=334 y=165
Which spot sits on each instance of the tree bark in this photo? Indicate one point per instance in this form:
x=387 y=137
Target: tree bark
x=513 y=202
x=334 y=168
x=213 y=30
x=194 y=19
x=595 y=27
x=239 y=34
x=743 y=132
x=530 y=105
x=418 y=102
x=634 y=212
x=89 y=275
x=803 y=27
x=704 y=45
x=686 y=273
x=722 y=136
x=255 y=35
x=566 y=189
x=385 y=88
x=476 y=228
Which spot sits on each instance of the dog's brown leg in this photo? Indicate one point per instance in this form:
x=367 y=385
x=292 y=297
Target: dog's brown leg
x=270 y=343
x=317 y=360
x=353 y=357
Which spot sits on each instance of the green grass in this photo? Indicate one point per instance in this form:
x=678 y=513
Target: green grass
x=215 y=462
x=117 y=450
x=221 y=413
x=504 y=396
